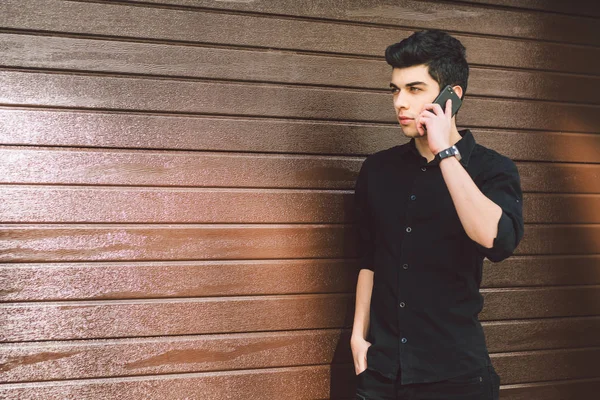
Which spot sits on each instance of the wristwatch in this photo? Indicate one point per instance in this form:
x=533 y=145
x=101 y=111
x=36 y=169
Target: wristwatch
x=449 y=152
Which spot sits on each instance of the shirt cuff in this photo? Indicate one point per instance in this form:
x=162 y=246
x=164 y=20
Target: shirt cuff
x=504 y=243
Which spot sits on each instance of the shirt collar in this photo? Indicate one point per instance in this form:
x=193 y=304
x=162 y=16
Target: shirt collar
x=465 y=146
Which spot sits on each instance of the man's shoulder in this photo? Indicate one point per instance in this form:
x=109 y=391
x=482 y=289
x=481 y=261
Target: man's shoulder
x=485 y=159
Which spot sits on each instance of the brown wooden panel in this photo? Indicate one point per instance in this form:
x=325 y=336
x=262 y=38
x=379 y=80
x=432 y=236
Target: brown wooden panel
x=141 y=205
x=546 y=365
x=175 y=242
x=43 y=204
x=560 y=239
x=163 y=95
x=30 y=282
x=583 y=8
x=543 y=302
x=130 y=280
x=285 y=33
x=542 y=270
x=91 y=359
x=235 y=64
x=564 y=390
x=111 y=319
x=563 y=178
x=98 y=129
x=467 y=18
x=561 y=208
x=541 y=334
x=311 y=382
x=193 y=242
x=314 y=382
x=122 y=357
x=127 y=318
x=168 y=168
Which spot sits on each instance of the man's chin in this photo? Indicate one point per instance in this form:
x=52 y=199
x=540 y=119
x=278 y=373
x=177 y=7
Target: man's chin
x=410 y=133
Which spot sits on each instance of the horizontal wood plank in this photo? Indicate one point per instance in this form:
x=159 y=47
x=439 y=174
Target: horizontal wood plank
x=129 y=318
x=146 y=131
x=72 y=281
x=220 y=28
x=582 y=8
x=42 y=52
x=50 y=243
x=126 y=93
x=265 y=32
x=547 y=365
x=131 y=280
x=542 y=270
x=468 y=17
x=575 y=389
x=51 y=204
x=23 y=165
x=314 y=382
x=82 y=359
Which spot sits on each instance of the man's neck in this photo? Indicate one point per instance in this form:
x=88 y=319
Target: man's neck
x=423 y=146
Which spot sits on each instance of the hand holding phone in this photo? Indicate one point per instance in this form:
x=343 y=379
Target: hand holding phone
x=446 y=94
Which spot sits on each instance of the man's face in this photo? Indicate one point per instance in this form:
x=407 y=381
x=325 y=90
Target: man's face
x=412 y=88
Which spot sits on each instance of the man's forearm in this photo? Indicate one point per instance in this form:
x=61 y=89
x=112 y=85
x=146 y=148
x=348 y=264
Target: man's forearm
x=478 y=214
x=364 y=288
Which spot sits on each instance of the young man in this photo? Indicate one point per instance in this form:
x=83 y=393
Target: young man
x=427 y=218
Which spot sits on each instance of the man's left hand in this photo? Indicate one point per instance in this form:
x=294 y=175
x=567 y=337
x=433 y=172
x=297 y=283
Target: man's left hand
x=438 y=124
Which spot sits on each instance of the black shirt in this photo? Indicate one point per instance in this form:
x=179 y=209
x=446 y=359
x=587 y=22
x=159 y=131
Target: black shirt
x=427 y=271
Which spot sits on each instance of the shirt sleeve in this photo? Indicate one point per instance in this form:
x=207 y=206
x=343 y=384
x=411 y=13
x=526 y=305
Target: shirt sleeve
x=502 y=185
x=365 y=242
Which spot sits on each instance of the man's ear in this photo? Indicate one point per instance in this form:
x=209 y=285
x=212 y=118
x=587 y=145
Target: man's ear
x=458 y=90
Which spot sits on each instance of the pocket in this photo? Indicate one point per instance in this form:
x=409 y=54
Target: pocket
x=494 y=383
x=468 y=379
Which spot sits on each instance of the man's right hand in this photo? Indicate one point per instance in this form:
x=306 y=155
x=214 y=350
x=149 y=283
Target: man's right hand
x=359 y=353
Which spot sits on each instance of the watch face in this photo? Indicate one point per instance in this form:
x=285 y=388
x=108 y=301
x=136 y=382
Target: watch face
x=456 y=153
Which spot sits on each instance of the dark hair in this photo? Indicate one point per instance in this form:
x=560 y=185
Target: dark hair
x=443 y=54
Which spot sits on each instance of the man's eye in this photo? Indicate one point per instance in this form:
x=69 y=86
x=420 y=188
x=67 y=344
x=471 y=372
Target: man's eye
x=393 y=90
x=414 y=88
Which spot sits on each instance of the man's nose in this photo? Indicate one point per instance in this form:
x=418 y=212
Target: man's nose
x=400 y=101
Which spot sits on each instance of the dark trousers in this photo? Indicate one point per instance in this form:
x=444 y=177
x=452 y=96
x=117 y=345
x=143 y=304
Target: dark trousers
x=483 y=384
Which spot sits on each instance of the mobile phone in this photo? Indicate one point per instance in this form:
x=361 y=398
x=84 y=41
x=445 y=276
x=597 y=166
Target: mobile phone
x=445 y=94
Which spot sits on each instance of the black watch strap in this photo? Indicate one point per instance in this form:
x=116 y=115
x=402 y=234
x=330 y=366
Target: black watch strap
x=449 y=152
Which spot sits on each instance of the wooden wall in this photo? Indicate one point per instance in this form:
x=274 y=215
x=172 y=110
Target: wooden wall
x=176 y=191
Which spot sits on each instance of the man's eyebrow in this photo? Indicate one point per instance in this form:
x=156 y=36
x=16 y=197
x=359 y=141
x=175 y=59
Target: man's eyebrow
x=409 y=84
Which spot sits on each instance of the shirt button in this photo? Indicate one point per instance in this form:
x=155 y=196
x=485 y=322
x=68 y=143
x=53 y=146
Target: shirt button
x=408 y=229
x=413 y=197
x=405 y=266
x=404 y=340
x=402 y=304
x=423 y=168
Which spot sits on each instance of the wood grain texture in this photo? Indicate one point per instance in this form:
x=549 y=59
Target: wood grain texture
x=108 y=242
x=314 y=382
x=42 y=361
x=179 y=132
x=266 y=32
x=176 y=191
x=129 y=280
x=132 y=318
x=468 y=18
x=581 y=8
x=71 y=166
x=87 y=55
x=50 y=204
x=164 y=279
x=125 y=93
